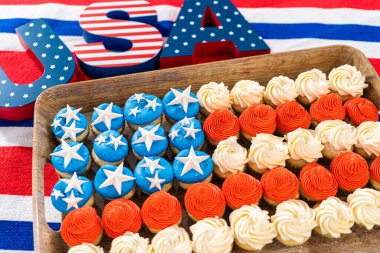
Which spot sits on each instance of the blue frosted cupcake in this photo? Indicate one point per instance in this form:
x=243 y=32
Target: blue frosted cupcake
x=179 y=104
x=186 y=133
x=113 y=182
x=149 y=141
x=192 y=166
x=70 y=125
x=109 y=147
x=107 y=117
x=154 y=173
x=72 y=193
x=70 y=157
x=143 y=109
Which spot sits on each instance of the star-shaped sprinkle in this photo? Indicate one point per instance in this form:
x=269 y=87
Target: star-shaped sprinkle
x=70 y=114
x=101 y=139
x=148 y=137
x=116 y=178
x=173 y=134
x=138 y=97
x=71 y=131
x=183 y=98
x=192 y=162
x=74 y=183
x=152 y=164
x=72 y=201
x=68 y=153
x=56 y=123
x=116 y=141
x=106 y=116
x=186 y=121
x=56 y=194
x=134 y=111
x=190 y=131
x=152 y=104
x=155 y=181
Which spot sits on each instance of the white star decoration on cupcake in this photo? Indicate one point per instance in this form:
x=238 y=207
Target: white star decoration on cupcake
x=116 y=141
x=192 y=162
x=138 y=97
x=72 y=201
x=155 y=181
x=152 y=104
x=148 y=137
x=116 y=178
x=106 y=116
x=70 y=114
x=74 y=183
x=183 y=98
x=56 y=123
x=190 y=131
x=152 y=164
x=186 y=121
x=134 y=111
x=100 y=139
x=68 y=153
x=71 y=131
x=173 y=134
x=57 y=193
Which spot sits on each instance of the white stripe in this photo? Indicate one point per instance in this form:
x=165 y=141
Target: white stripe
x=16 y=136
x=130 y=30
x=143 y=37
x=117 y=3
x=110 y=62
x=105 y=11
x=111 y=54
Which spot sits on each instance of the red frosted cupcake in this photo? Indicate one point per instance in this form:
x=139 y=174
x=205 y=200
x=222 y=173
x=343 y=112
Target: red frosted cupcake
x=375 y=174
x=204 y=200
x=82 y=225
x=327 y=107
x=241 y=189
x=360 y=110
x=279 y=185
x=317 y=183
x=120 y=216
x=350 y=170
x=256 y=119
x=290 y=116
x=161 y=210
x=220 y=125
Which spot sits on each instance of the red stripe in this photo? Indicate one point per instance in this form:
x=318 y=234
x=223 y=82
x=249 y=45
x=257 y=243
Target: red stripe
x=118 y=57
x=116 y=6
x=84 y=15
x=116 y=27
x=376 y=64
x=132 y=34
x=105 y=50
x=116 y=65
x=100 y=21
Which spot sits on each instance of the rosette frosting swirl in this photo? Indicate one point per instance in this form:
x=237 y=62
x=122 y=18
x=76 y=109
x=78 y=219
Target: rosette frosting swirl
x=369 y=137
x=130 y=243
x=290 y=116
x=281 y=89
x=171 y=239
x=258 y=118
x=327 y=107
x=247 y=92
x=312 y=84
x=304 y=144
x=86 y=248
x=221 y=124
x=360 y=110
x=347 y=80
x=214 y=96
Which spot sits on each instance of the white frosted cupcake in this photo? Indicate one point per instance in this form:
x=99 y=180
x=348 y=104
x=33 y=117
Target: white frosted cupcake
x=171 y=239
x=212 y=235
x=279 y=90
x=214 y=96
x=347 y=82
x=365 y=206
x=267 y=152
x=294 y=221
x=304 y=147
x=333 y=217
x=368 y=144
x=130 y=242
x=86 y=248
x=311 y=85
x=229 y=158
x=337 y=136
x=252 y=227
x=246 y=93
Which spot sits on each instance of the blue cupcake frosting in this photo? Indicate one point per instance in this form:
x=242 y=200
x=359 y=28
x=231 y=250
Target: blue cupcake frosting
x=192 y=166
x=186 y=133
x=107 y=117
x=110 y=146
x=149 y=141
x=114 y=182
x=179 y=104
x=71 y=157
x=141 y=109
x=152 y=173
x=71 y=193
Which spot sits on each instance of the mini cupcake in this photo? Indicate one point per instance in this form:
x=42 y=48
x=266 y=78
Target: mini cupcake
x=143 y=109
x=220 y=125
x=337 y=136
x=72 y=193
x=154 y=173
x=290 y=116
x=149 y=141
x=311 y=85
x=241 y=189
x=246 y=93
x=204 y=200
x=212 y=235
x=375 y=174
x=130 y=242
x=214 y=96
x=192 y=166
x=86 y=248
x=350 y=170
x=294 y=221
x=279 y=185
x=257 y=119
x=171 y=239
x=109 y=147
x=333 y=218
x=161 y=210
x=179 y=104
x=113 y=182
x=71 y=157
x=360 y=110
x=365 y=206
x=186 y=133
x=317 y=183
x=82 y=225
x=368 y=144
x=252 y=227
x=229 y=158
x=107 y=117
x=279 y=90
x=347 y=82
x=121 y=216
x=304 y=147
x=327 y=107
x=70 y=125
x=267 y=152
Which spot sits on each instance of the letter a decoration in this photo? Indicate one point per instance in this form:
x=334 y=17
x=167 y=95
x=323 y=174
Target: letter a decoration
x=209 y=30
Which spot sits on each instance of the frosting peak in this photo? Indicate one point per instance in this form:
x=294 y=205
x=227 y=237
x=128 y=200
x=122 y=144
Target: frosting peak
x=327 y=107
x=258 y=118
x=130 y=243
x=369 y=137
x=290 y=116
x=221 y=124
x=213 y=96
x=312 y=84
x=347 y=80
x=171 y=239
x=247 y=92
x=281 y=89
x=304 y=144
x=360 y=110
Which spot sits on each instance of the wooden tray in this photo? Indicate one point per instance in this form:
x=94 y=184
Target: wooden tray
x=118 y=89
